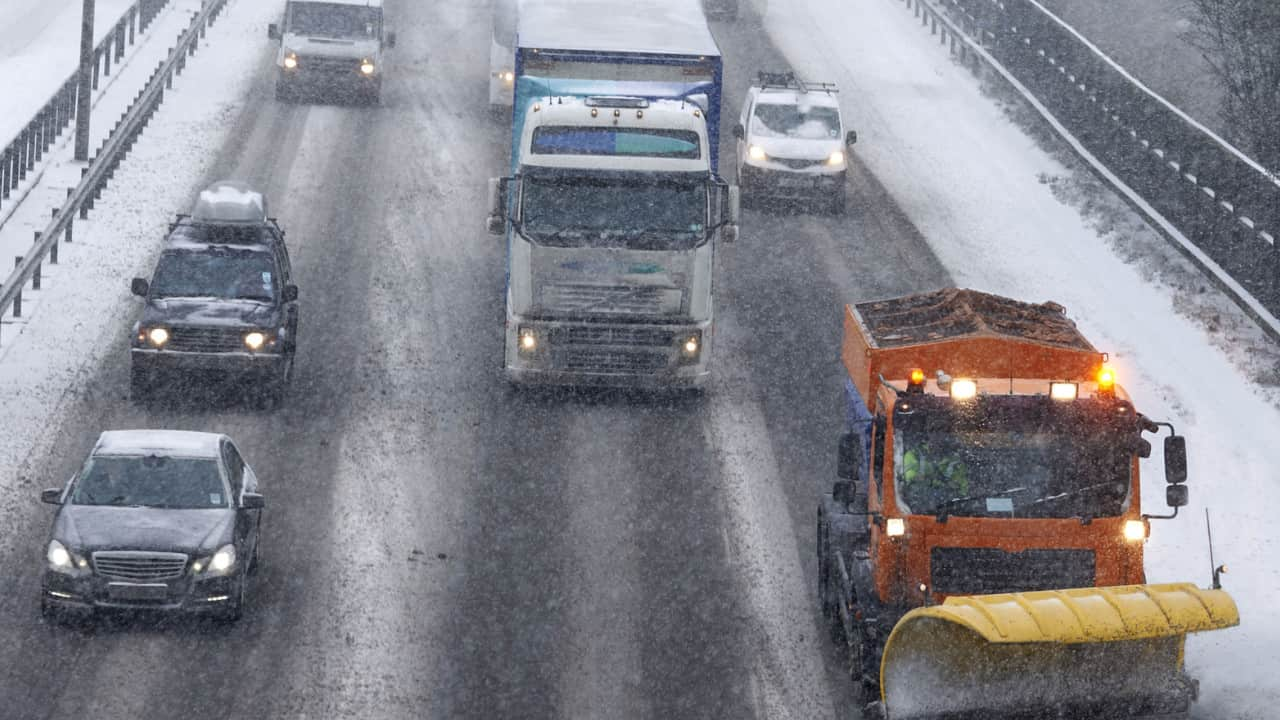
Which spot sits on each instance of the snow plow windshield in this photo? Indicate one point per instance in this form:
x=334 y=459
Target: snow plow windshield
x=1014 y=456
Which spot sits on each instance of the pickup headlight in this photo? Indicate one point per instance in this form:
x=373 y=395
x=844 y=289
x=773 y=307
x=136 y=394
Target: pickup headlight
x=219 y=563
x=836 y=158
x=367 y=67
x=63 y=560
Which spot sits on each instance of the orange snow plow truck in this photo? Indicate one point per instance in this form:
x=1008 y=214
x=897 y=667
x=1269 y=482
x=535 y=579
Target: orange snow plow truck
x=980 y=554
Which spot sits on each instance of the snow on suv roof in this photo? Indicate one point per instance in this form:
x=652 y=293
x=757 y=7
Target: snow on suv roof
x=230 y=202
x=788 y=96
x=359 y=3
x=175 y=443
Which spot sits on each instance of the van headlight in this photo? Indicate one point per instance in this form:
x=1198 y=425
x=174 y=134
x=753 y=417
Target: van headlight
x=755 y=152
x=290 y=60
x=836 y=158
x=367 y=67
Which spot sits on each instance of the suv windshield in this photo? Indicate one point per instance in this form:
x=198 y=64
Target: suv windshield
x=1013 y=457
x=789 y=121
x=245 y=275
x=616 y=211
x=151 y=481
x=332 y=20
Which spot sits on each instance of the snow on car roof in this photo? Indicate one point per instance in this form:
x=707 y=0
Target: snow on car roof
x=230 y=202
x=179 y=443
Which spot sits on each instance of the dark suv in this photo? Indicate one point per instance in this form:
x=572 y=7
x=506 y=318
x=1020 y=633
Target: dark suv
x=221 y=304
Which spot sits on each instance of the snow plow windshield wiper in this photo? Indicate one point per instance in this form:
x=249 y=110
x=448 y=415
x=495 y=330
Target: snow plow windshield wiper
x=942 y=510
x=1072 y=493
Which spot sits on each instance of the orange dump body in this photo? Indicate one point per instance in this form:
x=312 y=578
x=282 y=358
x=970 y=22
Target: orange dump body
x=1008 y=348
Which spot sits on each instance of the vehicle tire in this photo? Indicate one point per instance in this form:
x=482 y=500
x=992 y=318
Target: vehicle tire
x=235 y=606
x=253 y=559
x=285 y=93
x=839 y=202
x=271 y=394
x=863 y=676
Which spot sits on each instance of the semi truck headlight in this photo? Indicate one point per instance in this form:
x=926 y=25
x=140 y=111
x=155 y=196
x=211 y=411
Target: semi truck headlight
x=507 y=76
x=255 y=340
x=1135 y=530
x=836 y=158
x=895 y=527
x=158 y=336
x=367 y=67
x=291 y=61
x=528 y=340
x=691 y=347
x=755 y=152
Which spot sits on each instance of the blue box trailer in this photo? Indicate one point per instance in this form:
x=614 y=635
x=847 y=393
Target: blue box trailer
x=652 y=49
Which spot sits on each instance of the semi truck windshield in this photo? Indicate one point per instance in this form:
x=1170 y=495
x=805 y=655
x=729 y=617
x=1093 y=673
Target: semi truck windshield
x=638 y=213
x=1035 y=463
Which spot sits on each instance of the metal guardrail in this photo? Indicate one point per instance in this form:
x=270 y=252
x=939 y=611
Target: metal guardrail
x=1221 y=209
x=102 y=167
x=28 y=147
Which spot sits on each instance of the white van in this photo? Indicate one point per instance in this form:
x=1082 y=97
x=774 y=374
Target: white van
x=331 y=46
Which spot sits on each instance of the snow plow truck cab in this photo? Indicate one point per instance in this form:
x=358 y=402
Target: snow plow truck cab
x=981 y=553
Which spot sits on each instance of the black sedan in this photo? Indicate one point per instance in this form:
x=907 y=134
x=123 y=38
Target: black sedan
x=155 y=520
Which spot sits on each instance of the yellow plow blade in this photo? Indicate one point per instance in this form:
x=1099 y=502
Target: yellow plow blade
x=1090 y=652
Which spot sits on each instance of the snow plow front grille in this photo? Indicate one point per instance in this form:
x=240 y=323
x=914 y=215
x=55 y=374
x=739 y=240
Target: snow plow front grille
x=984 y=571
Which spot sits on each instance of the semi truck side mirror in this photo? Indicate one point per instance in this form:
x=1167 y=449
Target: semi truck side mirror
x=1175 y=459
x=851 y=137
x=1176 y=496
x=733 y=210
x=496 y=223
x=273 y=31
x=849 y=456
x=739 y=131
x=139 y=287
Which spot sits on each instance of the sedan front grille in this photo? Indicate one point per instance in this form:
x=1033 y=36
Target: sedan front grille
x=140 y=566
x=980 y=571
x=197 y=339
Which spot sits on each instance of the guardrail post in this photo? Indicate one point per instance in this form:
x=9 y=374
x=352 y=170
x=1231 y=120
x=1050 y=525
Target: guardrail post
x=120 y=41
x=17 y=299
x=6 y=172
x=133 y=24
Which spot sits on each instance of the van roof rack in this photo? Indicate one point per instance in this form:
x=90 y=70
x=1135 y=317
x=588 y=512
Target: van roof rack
x=789 y=81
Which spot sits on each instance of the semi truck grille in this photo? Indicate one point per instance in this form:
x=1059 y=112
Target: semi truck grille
x=609 y=361
x=189 y=339
x=615 y=336
x=978 y=571
x=140 y=566
x=612 y=299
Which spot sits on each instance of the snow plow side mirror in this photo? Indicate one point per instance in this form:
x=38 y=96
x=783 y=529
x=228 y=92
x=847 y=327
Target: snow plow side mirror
x=851 y=137
x=496 y=223
x=1175 y=459
x=273 y=31
x=1176 y=496
x=849 y=456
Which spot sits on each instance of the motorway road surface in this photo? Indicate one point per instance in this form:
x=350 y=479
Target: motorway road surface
x=436 y=545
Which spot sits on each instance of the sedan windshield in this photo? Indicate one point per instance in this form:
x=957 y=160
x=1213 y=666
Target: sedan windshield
x=151 y=481
x=228 y=275
x=1013 y=464
x=790 y=121
x=332 y=20
x=620 y=212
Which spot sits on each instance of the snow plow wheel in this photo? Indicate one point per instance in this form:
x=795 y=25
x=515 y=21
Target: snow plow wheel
x=1093 y=652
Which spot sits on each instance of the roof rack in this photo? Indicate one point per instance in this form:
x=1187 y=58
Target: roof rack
x=789 y=81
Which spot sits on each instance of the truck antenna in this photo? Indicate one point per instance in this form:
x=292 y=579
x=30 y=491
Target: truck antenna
x=1218 y=570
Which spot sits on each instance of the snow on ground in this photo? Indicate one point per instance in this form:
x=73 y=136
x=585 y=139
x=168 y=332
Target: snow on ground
x=83 y=309
x=985 y=195
x=40 y=49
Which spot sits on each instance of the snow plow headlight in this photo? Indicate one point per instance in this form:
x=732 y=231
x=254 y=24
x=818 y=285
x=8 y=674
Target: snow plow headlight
x=1063 y=390
x=963 y=389
x=1135 y=530
x=895 y=527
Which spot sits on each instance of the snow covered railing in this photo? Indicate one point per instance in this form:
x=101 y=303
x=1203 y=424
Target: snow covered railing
x=1218 y=206
x=103 y=165
x=26 y=149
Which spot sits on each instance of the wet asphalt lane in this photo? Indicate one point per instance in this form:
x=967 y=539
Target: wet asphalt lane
x=436 y=545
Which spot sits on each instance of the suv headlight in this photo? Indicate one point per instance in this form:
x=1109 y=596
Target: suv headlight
x=258 y=339
x=63 y=560
x=220 y=563
x=155 y=337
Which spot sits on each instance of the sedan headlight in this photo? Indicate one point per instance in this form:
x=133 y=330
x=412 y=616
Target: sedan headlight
x=755 y=152
x=836 y=158
x=291 y=60
x=63 y=560
x=367 y=67
x=219 y=563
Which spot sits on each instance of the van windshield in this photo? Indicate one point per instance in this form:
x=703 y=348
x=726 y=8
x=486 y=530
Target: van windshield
x=334 y=20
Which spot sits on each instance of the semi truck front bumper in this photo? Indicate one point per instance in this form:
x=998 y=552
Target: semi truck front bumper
x=599 y=355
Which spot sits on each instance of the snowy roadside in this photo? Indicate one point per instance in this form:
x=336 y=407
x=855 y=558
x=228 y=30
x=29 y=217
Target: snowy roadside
x=84 y=307
x=28 y=210
x=39 y=50
x=1004 y=215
